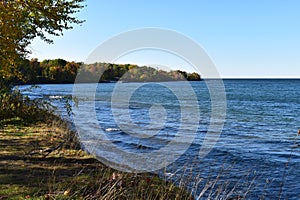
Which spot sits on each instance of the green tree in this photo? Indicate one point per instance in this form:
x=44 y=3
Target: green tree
x=21 y=21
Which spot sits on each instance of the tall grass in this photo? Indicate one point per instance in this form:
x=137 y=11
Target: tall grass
x=95 y=181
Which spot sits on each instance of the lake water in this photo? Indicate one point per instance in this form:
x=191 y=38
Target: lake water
x=257 y=154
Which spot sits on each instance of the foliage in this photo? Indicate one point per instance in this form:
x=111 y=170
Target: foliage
x=62 y=71
x=22 y=21
x=132 y=73
x=14 y=104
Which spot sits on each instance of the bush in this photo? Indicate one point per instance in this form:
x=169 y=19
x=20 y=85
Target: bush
x=13 y=104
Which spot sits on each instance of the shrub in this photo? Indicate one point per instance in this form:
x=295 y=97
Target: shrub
x=13 y=104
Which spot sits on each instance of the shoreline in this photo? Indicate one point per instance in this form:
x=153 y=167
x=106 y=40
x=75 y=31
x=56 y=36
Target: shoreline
x=101 y=82
x=43 y=160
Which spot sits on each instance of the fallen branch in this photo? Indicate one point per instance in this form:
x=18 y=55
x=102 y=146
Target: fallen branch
x=47 y=151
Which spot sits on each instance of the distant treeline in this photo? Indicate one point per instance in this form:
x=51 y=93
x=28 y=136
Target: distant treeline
x=62 y=71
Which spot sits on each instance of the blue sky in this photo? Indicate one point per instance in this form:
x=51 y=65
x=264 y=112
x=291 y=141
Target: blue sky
x=257 y=38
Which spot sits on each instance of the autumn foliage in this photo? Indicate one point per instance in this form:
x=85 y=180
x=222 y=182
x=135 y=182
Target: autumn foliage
x=62 y=71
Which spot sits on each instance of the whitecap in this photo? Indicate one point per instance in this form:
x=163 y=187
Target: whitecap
x=112 y=129
x=55 y=97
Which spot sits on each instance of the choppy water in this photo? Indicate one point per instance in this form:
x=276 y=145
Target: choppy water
x=257 y=149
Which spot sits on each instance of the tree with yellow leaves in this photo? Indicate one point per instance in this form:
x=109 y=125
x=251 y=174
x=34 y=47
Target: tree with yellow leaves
x=23 y=20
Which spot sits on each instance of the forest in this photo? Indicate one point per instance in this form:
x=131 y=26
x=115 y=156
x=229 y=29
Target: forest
x=62 y=71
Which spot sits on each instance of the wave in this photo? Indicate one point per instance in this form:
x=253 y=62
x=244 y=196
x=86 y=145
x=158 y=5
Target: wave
x=55 y=97
x=112 y=129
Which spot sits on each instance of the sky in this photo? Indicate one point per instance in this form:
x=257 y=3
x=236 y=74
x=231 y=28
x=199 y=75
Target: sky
x=244 y=39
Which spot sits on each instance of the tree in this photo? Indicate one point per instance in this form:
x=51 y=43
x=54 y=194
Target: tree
x=194 y=77
x=23 y=20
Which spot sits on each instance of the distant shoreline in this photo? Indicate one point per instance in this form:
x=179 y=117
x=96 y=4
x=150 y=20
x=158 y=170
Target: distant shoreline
x=59 y=71
x=100 y=82
x=203 y=79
